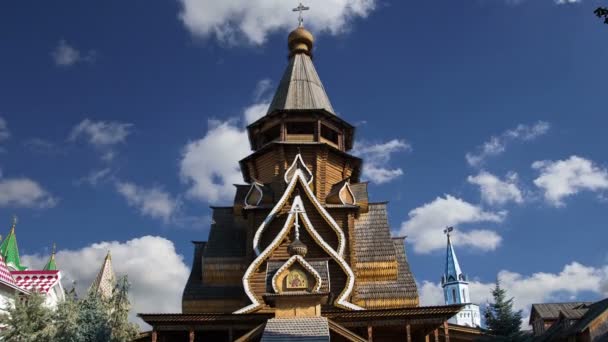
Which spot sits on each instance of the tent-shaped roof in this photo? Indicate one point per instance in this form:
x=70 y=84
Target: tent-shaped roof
x=105 y=280
x=51 y=265
x=10 y=251
x=300 y=87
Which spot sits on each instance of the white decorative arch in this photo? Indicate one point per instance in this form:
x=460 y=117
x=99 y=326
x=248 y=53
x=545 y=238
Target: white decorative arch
x=336 y=255
x=297 y=164
x=255 y=186
x=346 y=187
x=303 y=263
x=299 y=176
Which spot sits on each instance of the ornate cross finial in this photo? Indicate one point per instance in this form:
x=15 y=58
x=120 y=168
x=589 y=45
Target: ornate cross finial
x=448 y=230
x=14 y=221
x=296 y=210
x=300 y=9
x=54 y=248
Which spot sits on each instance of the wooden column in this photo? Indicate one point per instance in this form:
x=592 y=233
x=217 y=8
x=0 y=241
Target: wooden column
x=154 y=336
x=191 y=335
x=408 y=332
x=446 y=331
x=370 y=334
x=230 y=335
x=436 y=335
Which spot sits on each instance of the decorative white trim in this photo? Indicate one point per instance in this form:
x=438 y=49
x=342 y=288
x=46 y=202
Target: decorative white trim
x=332 y=223
x=304 y=264
x=258 y=187
x=336 y=255
x=342 y=298
x=294 y=166
x=347 y=186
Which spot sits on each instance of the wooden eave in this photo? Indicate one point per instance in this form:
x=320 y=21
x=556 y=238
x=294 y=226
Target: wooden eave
x=243 y=162
x=313 y=113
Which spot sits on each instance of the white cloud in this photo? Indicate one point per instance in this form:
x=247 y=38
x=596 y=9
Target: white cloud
x=573 y=280
x=42 y=146
x=210 y=165
x=153 y=202
x=255 y=111
x=563 y=2
x=101 y=133
x=495 y=191
x=377 y=157
x=95 y=176
x=154 y=268
x=24 y=192
x=233 y=20
x=498 y=144
x=425 y=225
x=4 y=132
x=563 y=178
x=65 y=55
x=262 y=89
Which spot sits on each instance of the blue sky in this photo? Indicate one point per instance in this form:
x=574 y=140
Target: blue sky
x=108 y=112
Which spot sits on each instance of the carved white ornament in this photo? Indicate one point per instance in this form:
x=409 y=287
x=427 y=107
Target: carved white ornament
x=336 y=255
x=255 y=186
x=305 y=264
x=297 y=164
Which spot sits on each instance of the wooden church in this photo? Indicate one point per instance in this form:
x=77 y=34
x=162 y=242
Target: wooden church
x=302 y=254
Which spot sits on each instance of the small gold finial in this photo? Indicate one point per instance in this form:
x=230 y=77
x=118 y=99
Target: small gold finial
x=300 y=40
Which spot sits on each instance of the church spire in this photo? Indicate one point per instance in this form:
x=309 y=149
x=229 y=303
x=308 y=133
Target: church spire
x=456 y=288
x=103 y=285
x=10 y=250
x=452 y=267
x=51 y=265
x=300 y=87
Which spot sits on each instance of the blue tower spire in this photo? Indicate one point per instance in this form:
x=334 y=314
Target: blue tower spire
x=452 y=267
x=456 y=287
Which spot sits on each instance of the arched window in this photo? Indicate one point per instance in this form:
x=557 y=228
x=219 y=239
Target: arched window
x=464 y=298
x=454 y=295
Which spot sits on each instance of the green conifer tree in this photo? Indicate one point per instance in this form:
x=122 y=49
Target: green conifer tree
x=27 y=320
x=94 y=319
x=501 y=320
x=67 y=319
x=122 y=329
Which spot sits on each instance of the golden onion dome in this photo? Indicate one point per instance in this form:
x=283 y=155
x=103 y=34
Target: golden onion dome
x=300 y=40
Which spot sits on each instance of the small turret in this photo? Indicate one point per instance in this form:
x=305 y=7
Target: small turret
x=456 y=288
x=51 y=265
x=10 y=250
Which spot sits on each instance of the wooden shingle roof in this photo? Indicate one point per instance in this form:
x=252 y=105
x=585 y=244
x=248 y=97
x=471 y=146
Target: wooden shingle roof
x=227 y=236
x=303 y=329
x=373 y=236
x=550 y=311
x=300 y=87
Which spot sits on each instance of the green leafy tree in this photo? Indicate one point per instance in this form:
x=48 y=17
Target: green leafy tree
x=94 y=319
x=501 y=320
x=122 y=329
x=27 y=320
x=67 y=320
